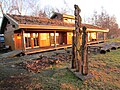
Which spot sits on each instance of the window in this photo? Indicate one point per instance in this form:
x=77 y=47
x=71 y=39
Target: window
x=35 y=36
x=27 y=40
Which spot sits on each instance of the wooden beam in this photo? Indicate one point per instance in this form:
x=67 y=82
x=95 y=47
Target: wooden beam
x=46 y=27
x=39 y=39
x=97 y=30
x=55 y=39
x=68 y=16
x=32 y=40
x=50 y=39
x=104 y=37
x=96 y=36
x=57 y=28
x=23 y=41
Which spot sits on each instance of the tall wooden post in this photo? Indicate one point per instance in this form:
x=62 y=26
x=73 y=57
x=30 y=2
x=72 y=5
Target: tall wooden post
x=84 y=52
x=32 y=40
x=78 y=36
x=39 y=38
x=96 y=36
x=104 y=37
x=55 y=39
x=23 y=41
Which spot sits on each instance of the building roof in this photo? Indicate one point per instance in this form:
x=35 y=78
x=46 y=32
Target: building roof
x=73 y=17
x=63 y=15
x=37 y=22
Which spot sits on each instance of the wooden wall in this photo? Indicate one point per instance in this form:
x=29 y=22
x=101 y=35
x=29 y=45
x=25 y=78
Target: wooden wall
x=9 y=36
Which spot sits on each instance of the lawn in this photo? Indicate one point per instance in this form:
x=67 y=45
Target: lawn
x=105 y=69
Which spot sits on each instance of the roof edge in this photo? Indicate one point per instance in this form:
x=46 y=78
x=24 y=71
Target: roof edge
x=58 y=28
x=8 y=17
x=45 y=27
x=98 y=30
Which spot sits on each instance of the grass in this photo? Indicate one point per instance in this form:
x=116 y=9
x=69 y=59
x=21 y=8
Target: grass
x=105 y=69
x=113 y=40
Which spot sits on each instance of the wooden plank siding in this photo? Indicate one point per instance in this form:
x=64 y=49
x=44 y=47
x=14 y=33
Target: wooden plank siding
x=18 y=41
x=9 y=39
x=9 y=36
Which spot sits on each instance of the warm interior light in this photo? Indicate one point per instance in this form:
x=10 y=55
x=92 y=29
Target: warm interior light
x=93 y=35
x=27 y=34
x=18 y=36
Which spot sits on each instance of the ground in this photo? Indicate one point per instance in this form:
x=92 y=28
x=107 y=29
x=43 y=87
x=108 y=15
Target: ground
x=15 y=73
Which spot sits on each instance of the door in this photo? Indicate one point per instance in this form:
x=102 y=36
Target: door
x=18 y=41
x=44 y=39
x=69 y=37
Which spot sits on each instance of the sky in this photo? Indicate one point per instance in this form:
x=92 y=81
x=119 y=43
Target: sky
x=87 y=6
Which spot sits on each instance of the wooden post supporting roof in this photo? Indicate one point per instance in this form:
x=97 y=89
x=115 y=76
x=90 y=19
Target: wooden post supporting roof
x=39 y=39
x=23 y=41
x=55 y=39
x=96 y=36
x=32 y=40
x=104 y=36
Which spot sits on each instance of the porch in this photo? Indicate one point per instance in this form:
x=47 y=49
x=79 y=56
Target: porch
x=34 y=40
x=50 y=48
x=46 y=48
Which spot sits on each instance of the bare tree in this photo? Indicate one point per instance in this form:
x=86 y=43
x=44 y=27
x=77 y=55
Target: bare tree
x=42 y=14
x=11 y=6
x=67 y=7
x=49 y=10
x=104 y=20
x=17 y=6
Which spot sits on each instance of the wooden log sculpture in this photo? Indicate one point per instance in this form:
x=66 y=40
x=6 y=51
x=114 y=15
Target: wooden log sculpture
x=79 y=53
x=84 y=52
x=76 y=50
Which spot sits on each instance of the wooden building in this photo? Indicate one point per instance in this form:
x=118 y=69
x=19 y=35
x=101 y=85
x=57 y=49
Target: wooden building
x=33 y=34
x=95 y=33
